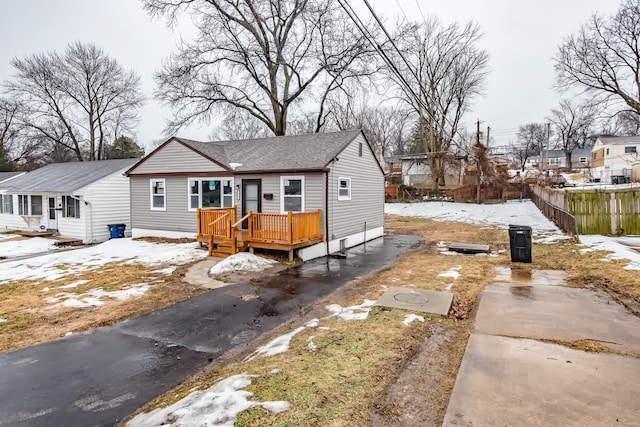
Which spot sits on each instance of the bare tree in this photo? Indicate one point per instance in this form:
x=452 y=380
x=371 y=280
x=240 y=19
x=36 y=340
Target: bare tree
x=443 y=72
x=531 y=140
x=622 y=123
x=573 y=122
x=262 y=57
x=603 y=57
x=77 y=100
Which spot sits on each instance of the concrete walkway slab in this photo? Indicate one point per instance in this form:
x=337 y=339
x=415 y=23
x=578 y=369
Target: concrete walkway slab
x=417 y=300
x=519 y=382
x=557 y=313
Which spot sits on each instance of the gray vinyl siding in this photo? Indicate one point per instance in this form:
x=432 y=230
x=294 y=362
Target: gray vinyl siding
x=175 y=157
x=176 y=217
x=314 y=193
x=347 y=217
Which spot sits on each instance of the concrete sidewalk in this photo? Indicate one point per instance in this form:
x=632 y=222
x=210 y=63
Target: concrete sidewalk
x=514 y=373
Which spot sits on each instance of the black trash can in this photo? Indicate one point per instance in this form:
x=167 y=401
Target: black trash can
x=520 y=243
x=116 y=231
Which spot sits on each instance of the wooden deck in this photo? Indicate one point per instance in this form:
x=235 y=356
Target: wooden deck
x=286 y=232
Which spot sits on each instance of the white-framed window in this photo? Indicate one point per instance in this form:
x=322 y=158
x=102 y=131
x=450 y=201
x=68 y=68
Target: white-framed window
x=344 y=188
x=630 y=149
x=583 y=160
x=36 y=205
x=70 y=207
x=292 y=190
x=210 y=193
x=158 y=196
x=554 y=161
x=6 y=203
x=23 y=204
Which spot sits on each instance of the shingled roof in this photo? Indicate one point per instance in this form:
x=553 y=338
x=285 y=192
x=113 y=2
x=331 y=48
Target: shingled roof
x=291 y=152
x=617 y=140
x=65 y=177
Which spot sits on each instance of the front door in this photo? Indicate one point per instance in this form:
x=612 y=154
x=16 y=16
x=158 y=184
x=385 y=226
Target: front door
x=53 y=214
x=251 y=189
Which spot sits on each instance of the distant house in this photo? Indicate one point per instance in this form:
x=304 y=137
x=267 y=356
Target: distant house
x=393 y=169
x=257 y=193
x=76 y=199
x=557 y=159
x=612 y=158
x=7 y=176
x=416 y=171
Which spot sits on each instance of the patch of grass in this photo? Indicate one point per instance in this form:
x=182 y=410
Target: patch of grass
x=11 y=232
x=31 y=320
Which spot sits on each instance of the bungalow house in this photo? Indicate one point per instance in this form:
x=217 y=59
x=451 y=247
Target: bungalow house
x=317 y=194
x=76 y=199
x=612 y=158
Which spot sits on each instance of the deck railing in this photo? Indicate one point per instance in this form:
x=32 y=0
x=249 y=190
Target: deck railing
x=289 y=228
x=215 y=222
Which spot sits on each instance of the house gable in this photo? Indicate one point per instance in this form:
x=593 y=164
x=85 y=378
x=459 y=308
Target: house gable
x=175 y=157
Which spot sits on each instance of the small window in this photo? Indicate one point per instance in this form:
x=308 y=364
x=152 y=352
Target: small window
x=23 y=204
x=292 y=194
x=36 y=205
x=344 y=188
x=70 y=207
x=583 y=160
x=628 y=150
x=158 y=195
x=607 y=152
x=6 y=205
x=360 y=149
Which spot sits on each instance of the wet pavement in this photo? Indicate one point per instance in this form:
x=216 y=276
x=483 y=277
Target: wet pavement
x=513 y=373
x=99 y=377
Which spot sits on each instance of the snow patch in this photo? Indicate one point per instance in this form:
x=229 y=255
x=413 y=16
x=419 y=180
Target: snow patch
x=242 y=261
x=275 y=346
x=34 y=245
x=411 y=317
x=311 y=345
x=122 y=251
x=217 y=406
x=354 y=312
x=74 y=284
x=498 y=215
x=93 y=297
x=452 y=272
x=613 y=245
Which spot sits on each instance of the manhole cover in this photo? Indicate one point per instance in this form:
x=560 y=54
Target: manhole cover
x=411 y=298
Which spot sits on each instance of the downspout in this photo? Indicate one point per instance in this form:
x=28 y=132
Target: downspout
x=326 y=209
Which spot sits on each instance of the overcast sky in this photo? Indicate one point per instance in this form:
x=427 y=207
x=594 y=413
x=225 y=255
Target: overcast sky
x=521 y=36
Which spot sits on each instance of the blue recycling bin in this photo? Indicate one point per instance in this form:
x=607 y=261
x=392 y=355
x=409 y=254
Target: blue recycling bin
x=116 y=231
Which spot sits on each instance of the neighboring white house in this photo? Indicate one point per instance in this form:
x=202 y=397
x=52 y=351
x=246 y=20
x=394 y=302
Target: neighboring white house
x=416 y=171
x=76 y=199
x=612 y=158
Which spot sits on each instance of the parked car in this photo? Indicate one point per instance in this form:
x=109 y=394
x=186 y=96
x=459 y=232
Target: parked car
x=557 y=181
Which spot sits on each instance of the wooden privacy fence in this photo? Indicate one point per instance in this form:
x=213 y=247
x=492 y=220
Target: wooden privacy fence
x=609 y=211
x=615 y=212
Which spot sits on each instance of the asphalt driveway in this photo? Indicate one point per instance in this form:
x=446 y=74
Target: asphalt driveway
x=99 y=377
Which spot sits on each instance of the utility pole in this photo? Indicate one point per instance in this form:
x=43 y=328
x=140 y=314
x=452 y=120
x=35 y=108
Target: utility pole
x=548 y=137
x=478 y=163
x=488 y=130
